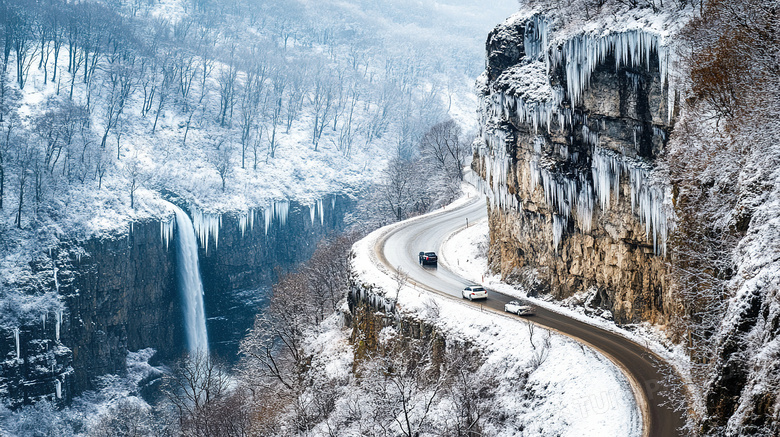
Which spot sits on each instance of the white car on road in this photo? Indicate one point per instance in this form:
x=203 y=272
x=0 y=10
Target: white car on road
x=518 y=308
x=474 y=292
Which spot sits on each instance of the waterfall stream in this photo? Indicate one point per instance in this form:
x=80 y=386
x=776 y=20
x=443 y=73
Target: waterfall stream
x=190 y=284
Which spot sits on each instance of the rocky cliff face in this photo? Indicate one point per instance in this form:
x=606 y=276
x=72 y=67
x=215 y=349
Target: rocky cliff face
x=572 y=131
x=120 y=294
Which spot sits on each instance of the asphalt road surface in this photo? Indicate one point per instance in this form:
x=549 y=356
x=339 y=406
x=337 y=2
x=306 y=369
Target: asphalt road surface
x=400 y=247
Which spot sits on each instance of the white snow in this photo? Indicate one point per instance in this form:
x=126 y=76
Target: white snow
x=458 y=255
x=580 y=392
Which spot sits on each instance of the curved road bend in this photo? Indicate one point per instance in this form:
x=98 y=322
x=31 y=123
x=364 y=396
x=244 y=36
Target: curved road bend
x=399 y=248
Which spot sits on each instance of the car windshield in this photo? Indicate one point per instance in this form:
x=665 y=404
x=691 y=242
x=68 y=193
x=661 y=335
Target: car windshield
x=477 y=289
x=430 y=254
x=514 y=302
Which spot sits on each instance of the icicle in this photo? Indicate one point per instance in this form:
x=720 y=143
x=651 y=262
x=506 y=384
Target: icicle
x=312 y=213
x=166 y=231
x=321 y=212
x=207 y=225
x=282 y=209
x=268 y=215
x=585 y=206
x=538 y=144
x=606 y=169
x=58 y=388
x=558 y=225
x=658 y=132
x=243 y=221
x=55 y=270
x=646 y=201
x=535 y=38
x=58 y=317
x=583 y=53
x=43 y=320
x=18 y=344
x=589 y=137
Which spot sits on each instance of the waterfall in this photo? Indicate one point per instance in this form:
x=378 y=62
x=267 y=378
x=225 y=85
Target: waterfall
x=190 y=285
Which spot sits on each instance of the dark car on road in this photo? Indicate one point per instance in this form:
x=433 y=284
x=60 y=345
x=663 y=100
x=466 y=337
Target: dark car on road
x=428 y=258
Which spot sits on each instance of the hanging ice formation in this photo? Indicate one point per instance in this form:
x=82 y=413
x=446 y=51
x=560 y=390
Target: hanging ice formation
x=316 y=209
x=18 y=345
x=523 y=95
x=276 y=210
x=581 y=54
x=492 y=149
x=647 y=200
x=190 y=285
x=58 y=388
x=58 y=317
x=167 y=228
x=207 y=225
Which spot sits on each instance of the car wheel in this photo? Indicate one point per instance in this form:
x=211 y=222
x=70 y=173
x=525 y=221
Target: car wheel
x=471 y=298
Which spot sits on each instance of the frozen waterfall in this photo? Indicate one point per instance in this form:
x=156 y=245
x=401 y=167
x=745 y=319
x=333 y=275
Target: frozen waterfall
x=190 y=284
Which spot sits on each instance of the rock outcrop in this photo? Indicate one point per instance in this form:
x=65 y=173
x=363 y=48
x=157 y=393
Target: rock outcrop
x=572 y=129
x=120 y=294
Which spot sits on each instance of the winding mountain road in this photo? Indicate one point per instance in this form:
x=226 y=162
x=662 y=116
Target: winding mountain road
x=399 y=248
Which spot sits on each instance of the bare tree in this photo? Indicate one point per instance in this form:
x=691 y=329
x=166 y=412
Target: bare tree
x=296 y=90
x=222 y=159
x=133 y=171
x=404 y=188
x=227 y=89
x=442 y=144
x=322 y=103
x=25 y=161
x=280 y=81
x=6 y=142
x=200 y=390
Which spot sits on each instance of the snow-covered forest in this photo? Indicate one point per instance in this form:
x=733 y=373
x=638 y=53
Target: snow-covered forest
x=116 y=116
x=107 y=107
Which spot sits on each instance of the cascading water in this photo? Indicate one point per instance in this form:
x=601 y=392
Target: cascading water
x=190 y=284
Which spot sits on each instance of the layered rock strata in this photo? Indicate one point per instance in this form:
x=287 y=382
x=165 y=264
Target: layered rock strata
x=572 y=132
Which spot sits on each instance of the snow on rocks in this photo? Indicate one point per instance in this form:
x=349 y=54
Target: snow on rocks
x=579 y=392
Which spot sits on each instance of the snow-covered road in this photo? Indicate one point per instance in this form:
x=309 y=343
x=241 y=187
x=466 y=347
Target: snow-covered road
x=399 y=247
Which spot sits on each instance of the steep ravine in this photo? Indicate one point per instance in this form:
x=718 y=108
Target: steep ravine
x=120 y=294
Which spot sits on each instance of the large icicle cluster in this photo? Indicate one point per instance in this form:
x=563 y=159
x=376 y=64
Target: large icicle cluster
x=564 y=195
x=581 y=54
x=523 y=94
x=647 y=200
x=207 y=226
x=167 y=229
x=491 y=148
x=316 y=210
x=276 y=210
x=535 y=38
x=246 y=220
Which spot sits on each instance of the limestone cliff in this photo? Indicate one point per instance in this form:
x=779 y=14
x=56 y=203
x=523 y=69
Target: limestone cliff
x=573 y=127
